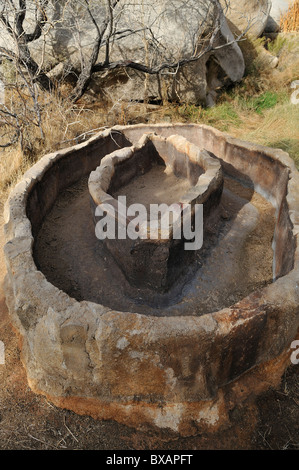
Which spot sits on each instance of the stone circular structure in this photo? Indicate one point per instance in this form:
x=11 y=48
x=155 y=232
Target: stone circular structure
x=151 y=261
x=184 y=373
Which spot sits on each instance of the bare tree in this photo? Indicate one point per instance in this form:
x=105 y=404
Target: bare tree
x=12 y=16
x=21 y=23
x=116 y=27
x=111 y=21
x=98 y=32
x=20 y=108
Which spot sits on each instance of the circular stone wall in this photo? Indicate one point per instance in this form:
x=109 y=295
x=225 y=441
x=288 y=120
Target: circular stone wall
x=186 y=372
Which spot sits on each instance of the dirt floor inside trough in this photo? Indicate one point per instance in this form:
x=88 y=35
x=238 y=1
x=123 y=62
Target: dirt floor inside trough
x=29 y=421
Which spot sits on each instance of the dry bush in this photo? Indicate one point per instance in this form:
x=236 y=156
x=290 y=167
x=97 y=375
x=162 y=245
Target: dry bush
x=289 y=22
x=62 y=124
x=277 y=128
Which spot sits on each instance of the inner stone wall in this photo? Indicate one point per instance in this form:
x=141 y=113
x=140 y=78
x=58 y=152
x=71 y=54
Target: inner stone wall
x=64 y=168
x=267 y=170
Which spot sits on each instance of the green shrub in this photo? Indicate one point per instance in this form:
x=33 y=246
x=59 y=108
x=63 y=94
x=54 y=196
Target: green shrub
x=261 y=103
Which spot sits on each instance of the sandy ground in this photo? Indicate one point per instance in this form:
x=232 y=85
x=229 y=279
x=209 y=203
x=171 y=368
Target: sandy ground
x=29 y=421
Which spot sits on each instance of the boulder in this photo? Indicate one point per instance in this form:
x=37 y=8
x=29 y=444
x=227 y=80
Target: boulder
x=243 y=14
x=168 y=32
x=279 y=7
x=149 y=33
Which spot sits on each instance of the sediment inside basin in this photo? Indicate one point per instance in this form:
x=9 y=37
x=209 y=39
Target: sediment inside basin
x=154 y=187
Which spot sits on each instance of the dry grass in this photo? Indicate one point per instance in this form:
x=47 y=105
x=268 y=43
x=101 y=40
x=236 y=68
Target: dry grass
x=263 y=101
x=63 y=124
x=290 y=20
x=12 y=167
x=278 y=128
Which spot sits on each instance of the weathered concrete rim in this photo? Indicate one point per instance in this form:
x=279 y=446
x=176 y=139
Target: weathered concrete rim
x=257 y=329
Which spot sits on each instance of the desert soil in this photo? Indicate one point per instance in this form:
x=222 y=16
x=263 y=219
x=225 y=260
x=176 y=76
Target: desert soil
x=29 y=421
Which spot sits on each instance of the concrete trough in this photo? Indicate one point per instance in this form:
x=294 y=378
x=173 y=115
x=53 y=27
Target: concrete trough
x=181 y=373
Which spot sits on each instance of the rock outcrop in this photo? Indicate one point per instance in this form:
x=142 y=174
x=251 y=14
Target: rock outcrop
x=173 y=33
x=148 y=33
x=247 y=15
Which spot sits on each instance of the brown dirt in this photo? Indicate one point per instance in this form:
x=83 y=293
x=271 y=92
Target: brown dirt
x=156 y=186
x=29 y=421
